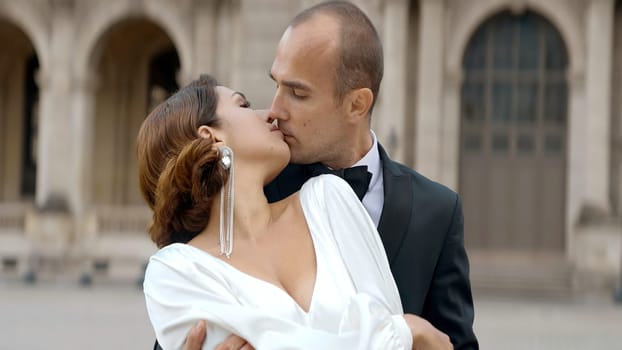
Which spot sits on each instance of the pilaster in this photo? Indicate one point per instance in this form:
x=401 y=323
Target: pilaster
x=388 y=124
x=54 y=149
x=429 y=140
x=599 y=19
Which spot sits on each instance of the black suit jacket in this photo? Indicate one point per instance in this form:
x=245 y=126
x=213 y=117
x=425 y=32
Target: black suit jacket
x=421 y=227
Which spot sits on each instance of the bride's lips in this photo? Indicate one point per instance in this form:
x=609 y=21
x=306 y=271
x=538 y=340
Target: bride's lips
x=276 y=129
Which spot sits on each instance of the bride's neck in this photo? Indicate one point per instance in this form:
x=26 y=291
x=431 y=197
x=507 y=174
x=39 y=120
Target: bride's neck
x=251 y=212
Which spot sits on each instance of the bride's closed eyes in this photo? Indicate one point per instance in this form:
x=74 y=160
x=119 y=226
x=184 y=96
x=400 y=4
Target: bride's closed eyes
x=243 y=102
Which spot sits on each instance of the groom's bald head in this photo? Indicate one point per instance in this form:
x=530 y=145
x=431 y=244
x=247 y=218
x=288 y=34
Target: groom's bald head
x=359 y=58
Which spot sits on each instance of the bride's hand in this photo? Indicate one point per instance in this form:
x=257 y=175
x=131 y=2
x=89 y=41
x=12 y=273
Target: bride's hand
x=426 y=336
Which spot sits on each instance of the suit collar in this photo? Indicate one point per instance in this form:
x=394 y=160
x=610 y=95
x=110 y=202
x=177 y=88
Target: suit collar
x=397 y=210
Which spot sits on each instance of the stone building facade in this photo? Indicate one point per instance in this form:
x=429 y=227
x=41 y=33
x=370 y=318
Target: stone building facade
x=516 y=104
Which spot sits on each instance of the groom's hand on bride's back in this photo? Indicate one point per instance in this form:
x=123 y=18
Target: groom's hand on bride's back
x=196 y=338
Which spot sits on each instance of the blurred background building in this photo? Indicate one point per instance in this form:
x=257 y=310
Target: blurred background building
x=516 y=104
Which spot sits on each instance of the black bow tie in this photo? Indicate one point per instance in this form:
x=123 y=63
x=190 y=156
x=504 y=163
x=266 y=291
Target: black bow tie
x=357 y=177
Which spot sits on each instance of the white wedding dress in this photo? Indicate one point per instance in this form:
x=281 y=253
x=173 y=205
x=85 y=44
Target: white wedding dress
x=355 y=302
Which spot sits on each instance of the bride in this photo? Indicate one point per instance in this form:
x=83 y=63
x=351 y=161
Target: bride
x=307 y=272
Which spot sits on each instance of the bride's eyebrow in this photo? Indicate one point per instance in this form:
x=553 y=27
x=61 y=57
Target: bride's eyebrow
x=239 y=93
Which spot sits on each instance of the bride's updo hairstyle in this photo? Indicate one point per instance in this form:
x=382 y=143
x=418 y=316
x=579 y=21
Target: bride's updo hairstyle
x=178 y=171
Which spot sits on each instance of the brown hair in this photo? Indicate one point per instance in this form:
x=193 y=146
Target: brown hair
x=360 y=62
x=178 y=171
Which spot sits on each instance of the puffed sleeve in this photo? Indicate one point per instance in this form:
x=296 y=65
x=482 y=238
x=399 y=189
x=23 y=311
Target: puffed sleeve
x=331 y=202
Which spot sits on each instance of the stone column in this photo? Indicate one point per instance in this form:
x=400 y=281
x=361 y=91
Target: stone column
x=83 y=135
x=388 y=118
x=50 y=225
x=597 y=118
x=55 y=149
x=429 y=139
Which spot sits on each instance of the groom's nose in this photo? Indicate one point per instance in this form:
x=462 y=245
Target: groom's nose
x=277 y=109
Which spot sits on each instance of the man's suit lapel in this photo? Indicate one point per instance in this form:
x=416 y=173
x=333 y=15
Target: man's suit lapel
x=396 y=212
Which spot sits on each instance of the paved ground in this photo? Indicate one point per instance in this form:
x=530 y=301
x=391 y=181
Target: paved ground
x=548 y=325
x=65 y=316
x=112 y=316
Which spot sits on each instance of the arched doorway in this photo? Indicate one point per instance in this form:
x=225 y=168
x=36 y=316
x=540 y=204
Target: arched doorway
x=136 y=69
x=19 y=100
x=513 y=135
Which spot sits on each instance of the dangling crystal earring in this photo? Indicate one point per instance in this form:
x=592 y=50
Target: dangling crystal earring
x=226 y=204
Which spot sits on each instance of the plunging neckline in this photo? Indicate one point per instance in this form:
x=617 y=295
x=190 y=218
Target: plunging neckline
x=271 y=285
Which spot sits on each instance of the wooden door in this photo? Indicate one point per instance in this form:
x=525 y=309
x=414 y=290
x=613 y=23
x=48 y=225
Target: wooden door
x=513 y=135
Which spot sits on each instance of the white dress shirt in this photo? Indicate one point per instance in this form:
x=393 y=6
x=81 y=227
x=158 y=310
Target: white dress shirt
x=373 y=200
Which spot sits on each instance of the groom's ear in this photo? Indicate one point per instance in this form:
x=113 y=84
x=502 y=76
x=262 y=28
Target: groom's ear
x=359 y=103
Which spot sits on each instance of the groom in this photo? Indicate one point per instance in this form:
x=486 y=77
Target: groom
x=328 y=52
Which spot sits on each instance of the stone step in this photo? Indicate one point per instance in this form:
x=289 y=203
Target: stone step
x=522 y=274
